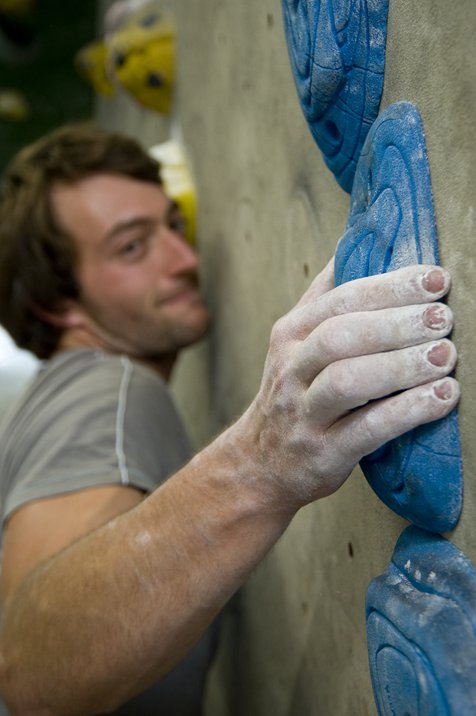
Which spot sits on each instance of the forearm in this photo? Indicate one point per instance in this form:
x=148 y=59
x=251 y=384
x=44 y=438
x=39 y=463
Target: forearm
x=115 y=611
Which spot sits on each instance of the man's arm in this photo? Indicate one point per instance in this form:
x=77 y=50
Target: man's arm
x=115 y=610
x=41 y=528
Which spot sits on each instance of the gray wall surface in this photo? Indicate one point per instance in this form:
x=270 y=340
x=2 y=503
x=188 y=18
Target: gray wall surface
x=270 y=214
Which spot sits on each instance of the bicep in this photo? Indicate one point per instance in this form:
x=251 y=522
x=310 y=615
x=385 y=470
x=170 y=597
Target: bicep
x=41 y=528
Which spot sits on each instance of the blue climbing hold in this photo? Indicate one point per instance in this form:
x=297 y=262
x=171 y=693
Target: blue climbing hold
x=391 y=224
x=421 y=629
x=337 y=55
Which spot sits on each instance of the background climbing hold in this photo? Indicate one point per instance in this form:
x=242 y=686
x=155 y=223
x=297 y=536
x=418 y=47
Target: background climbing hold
x=14 y=106
x=18 y=8
x=140 y=56
x=178 y=183
x=90 y=62
x=337 y=54
x=421 y=629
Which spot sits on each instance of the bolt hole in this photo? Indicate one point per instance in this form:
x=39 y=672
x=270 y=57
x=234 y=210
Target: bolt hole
x=332 y=130
x=119 y=59
x=150 y=20
x=155 y=80
x=350 y=549
x=305 y=268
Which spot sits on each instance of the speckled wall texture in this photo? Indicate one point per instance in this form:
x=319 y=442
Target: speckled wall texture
x=270 y=214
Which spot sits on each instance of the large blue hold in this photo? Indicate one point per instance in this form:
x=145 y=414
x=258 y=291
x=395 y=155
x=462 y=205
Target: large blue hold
x=421 y=629
x=391 y=224
x=337 y=54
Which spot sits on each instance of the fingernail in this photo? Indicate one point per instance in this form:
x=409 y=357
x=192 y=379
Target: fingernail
x=439 y=354
x=443 y=390
x=436 y=316
x=434 y=280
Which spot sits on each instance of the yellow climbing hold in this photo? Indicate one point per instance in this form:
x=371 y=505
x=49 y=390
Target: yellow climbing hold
x=141 y=57
x=178 y=183
x=90 y=63
x=14 y=106
x=17 y=7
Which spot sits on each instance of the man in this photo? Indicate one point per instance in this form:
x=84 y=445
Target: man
x=108 y=580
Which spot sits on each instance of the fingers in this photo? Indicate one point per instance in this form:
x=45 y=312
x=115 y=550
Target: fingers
x=411 y=285
x=355 y=334
x=347 y=384
x=370 y=427
x=408 y=285
x=351 y=368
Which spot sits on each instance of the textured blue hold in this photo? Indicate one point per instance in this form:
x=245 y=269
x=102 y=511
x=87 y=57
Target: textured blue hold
x=337 y=54
x=421 y=629
x=391 y=224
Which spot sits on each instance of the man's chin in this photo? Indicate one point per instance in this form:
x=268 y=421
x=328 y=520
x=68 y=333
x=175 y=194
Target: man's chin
x=198 y=324
x=185 y=334
x=196 y=334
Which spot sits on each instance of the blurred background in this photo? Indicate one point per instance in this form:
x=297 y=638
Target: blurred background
x=269 y=215
x=40 y=88
x=38 y=44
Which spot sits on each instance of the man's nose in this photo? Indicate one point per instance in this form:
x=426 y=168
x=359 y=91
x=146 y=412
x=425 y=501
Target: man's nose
x=180 y=257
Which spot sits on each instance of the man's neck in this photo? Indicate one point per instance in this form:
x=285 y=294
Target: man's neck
x=163 y=365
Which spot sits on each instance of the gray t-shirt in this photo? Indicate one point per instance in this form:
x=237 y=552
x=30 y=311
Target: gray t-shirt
x=89 y=419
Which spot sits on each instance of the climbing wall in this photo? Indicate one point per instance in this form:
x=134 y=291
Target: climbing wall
x=287 y=158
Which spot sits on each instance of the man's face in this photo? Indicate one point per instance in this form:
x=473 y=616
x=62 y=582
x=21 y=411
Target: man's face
x=137 y=275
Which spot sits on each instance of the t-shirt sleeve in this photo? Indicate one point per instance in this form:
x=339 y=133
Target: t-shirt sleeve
x=114 y=423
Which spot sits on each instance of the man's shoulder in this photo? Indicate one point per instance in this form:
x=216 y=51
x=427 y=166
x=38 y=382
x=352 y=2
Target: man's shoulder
x=81 y=383
x=90 y=418
x=74 y=363
x=93 y=371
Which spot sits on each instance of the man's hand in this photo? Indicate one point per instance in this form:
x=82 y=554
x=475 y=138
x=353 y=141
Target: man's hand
x=348 y=369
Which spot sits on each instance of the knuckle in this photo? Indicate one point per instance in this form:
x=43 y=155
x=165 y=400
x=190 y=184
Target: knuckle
x=371 y=426
x=341 y=381
x=383 y=420
x=332 y=339
x=279 y=331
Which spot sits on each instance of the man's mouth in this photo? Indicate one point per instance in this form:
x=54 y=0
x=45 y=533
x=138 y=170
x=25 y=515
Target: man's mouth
x=185 y=294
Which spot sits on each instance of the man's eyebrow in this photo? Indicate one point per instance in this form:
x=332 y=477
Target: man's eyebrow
x=127 y=225
x=139 y=221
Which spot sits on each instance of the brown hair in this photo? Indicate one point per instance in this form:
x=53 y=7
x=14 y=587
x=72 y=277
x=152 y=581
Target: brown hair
x=37 y=257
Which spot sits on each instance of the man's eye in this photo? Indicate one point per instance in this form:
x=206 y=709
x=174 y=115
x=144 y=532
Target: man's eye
x=177 y=223
x=132 y=248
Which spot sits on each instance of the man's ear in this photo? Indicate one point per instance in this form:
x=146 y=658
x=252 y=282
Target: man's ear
x=71 y=315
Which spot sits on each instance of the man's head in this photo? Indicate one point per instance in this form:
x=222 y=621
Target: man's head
x=69 y=207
